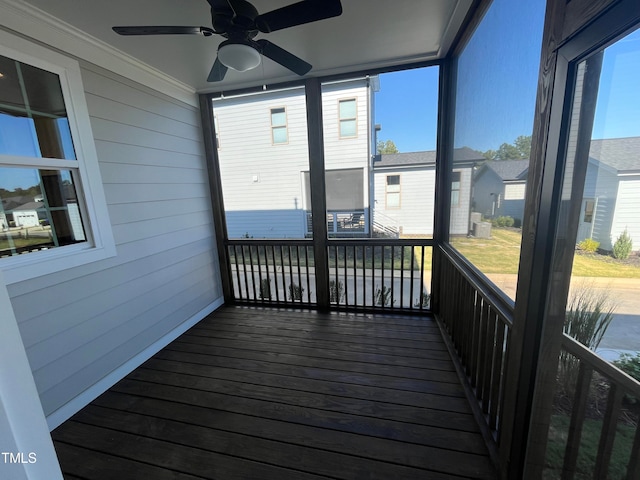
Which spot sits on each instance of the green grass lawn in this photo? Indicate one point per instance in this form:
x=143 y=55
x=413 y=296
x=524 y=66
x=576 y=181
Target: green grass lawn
x=501 y=254
x=558 y=432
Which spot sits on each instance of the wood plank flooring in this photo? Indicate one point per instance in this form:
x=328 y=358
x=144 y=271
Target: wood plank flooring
x=254 y=393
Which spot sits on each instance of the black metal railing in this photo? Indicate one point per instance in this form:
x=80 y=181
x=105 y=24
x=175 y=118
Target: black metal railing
x=272 y=271
x=479 y=325
x=364 y=274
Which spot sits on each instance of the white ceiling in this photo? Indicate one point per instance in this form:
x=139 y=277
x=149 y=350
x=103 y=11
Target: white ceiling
x=369 y=33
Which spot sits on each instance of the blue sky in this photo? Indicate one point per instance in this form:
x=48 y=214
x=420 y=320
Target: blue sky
x=499 y=71
x=406 y=107
x=618 y=108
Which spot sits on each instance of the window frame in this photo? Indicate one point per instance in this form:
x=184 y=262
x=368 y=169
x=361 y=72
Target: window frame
x=274 y=127
x=387 y=192
x=348 y=119
x=454 y=174
x=85 y=169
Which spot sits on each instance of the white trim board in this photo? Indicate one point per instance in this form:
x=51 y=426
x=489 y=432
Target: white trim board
x=20 y=406
x=18 y=16
x=78 y=403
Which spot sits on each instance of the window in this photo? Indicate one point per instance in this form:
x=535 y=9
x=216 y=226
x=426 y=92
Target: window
x=393 y=191
x=216 y=127
x=455 y=189
x=279 y=125
x=48 y=166
x=348 y=118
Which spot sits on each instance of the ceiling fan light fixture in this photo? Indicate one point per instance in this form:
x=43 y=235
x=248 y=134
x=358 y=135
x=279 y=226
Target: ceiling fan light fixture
x=238 y=56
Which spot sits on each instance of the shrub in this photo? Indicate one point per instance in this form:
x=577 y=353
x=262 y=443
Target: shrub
x=382 y=297
x=589 y=245
x=623 y=246
x=265 y=289
x=588 y=316
x=295 y=292
x=502 y=221
x=423 y=301
x=629 y=364
x=336 y=291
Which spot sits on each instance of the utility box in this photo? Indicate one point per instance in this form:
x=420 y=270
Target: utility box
x=474 y=218
x=482 y=230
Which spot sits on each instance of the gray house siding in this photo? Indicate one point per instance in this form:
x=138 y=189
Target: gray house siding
x=80 y=324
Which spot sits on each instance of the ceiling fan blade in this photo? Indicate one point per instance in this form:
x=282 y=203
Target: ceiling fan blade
x=163 y=30
x=299 y=13
x=218 y=71
x=281 y=56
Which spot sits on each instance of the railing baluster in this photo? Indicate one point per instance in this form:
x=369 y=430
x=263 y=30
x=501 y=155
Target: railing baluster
x=238 y=293
x=299 y=271
x=608 y=433
x=633 y=468
x=577 y=420
x=306 y=260
x=246 y=277
x=261 y=290
x=275 y=272
x=373 y=276
x=346 y=283
x=411 y=288
x=422 y=299
x=253 y=275
x=489 y=372
x=393 y=261
x=364 y=276
x=402 y=276
x=291 y=289
x=498 y=373
x=284 y=282
x=355 y=276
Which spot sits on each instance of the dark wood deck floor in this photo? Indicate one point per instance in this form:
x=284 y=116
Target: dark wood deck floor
x=275 y=394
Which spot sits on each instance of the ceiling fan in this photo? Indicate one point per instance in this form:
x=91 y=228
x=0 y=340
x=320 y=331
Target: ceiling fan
x=239 y=22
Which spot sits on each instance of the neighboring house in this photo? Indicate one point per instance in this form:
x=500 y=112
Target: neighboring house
x=27 y=215
x=499 y=188
x=265 y=175
x=404 y=191
x=611 y=193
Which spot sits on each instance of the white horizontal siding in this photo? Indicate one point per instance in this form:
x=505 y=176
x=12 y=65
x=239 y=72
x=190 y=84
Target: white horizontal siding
x=80 y=324
x=348 y=152
x=417 y=195
x=262 y=183
x=626 y=212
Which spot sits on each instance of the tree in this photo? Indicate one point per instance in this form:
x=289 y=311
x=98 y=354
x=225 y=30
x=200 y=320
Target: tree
x=520 y=149
x=386 y=146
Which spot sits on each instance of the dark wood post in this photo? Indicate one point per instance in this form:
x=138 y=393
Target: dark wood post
x=318 y=191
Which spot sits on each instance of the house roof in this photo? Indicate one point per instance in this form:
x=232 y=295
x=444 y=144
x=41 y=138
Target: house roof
x=621 y=154
x=508 y=170
x=425 y=157
x=30 y=206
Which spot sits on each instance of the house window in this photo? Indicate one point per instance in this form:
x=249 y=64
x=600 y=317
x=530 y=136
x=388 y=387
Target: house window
x=589 y=208
x=348 y=118
x=393 y=191
x=455 y=189
x=279 y=125
x=47 y=166
x=216 y=127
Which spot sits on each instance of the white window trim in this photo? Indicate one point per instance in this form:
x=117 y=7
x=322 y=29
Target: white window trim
x=100 y=244
x=340 y=119
x=285 y=126
x=387 y=192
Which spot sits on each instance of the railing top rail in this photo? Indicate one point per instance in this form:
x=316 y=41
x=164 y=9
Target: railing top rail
x=271 y=241
x=583 y=353
x=503 y=306
x=386 y=242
